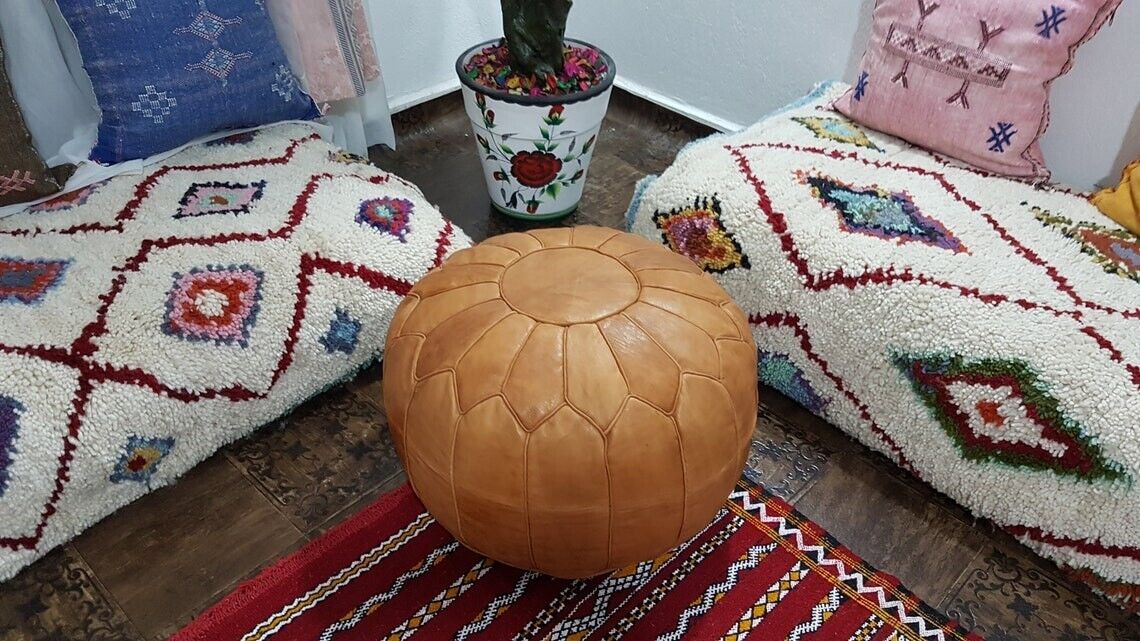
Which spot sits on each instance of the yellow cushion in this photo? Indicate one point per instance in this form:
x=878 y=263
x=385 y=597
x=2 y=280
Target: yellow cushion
x=1122 y=203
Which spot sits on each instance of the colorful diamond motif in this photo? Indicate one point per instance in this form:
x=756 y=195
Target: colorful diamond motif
x=343 y=333
x=874 y=211
x=204 y=199
x=780 y=373
x=214 y=304
x=999 y=411
x=67 y=201
x=1116 y=250
x=140 y=459
x=389 y=215
x=837 y=130
x=10 y=410
x=28 y=281
x=696 y=232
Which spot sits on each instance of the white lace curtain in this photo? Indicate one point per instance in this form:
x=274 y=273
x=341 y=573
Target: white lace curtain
x=330 y=47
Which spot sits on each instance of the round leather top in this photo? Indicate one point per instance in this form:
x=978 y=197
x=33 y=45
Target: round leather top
x=568 y=285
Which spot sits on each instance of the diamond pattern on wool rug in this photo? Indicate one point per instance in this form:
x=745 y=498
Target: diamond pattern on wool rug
x=148 y=320
x=979 y=331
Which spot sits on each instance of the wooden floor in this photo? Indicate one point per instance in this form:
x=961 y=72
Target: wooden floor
x=150 y=568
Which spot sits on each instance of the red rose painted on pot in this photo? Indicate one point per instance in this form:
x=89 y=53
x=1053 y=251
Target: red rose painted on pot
x=535 y=169
x=556 y=111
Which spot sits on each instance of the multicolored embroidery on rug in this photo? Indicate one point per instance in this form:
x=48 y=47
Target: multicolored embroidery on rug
x=148 y=320
x=759 y=570
x=981 y=332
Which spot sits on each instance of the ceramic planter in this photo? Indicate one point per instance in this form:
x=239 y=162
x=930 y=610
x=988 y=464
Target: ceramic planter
x=535 y=150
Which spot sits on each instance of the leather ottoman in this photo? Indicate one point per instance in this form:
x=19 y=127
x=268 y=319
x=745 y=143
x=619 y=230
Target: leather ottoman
x=571 y=400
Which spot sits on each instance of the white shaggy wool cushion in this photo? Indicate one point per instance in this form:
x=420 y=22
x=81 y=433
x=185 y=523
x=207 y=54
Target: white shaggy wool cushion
x=148 y=320
x=980 y=332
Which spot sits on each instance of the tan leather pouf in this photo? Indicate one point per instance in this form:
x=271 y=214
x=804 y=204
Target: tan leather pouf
x=570 y=400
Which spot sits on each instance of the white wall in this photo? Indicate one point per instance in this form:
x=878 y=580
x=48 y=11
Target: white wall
x=418 y=41
x=729 y=62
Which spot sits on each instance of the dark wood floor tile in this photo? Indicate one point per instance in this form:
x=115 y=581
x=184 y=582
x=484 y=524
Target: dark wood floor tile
x=321 y=458
x=59 y=598
x=366 y=499
x=609 y=191
x=175 y=623
x=164 y=556
x=656 y=134
x=884 y=466
x=798 y=416
x=425 y=117
x=1006 y=594
x=892 y=526
x=369 y=385
x=784 y=458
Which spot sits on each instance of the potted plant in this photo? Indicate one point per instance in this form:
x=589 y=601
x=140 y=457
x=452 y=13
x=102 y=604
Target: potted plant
x=536 y=102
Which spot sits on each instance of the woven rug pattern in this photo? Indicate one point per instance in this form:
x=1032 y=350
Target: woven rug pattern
x=759 y=570
x=150 y=319
x=981 y=332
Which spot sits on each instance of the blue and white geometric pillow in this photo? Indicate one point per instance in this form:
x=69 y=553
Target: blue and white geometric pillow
x=166 y=72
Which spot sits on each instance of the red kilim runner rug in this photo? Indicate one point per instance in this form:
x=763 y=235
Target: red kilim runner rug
x=759 y=570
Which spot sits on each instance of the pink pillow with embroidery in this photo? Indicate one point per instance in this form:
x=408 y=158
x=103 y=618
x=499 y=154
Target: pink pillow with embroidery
x=970 y=78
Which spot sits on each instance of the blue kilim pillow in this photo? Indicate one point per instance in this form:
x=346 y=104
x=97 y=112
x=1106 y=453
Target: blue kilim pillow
x=168 y=71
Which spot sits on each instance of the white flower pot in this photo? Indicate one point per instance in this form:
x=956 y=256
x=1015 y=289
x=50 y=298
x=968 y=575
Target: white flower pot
x=535 y=150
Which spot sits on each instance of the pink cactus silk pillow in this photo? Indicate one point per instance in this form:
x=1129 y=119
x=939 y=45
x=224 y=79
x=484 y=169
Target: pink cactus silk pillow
x=970 y=78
